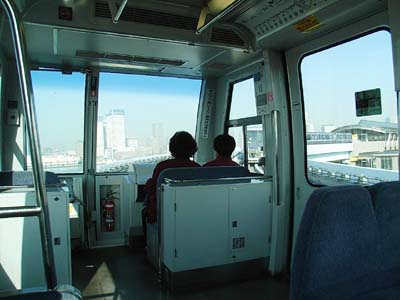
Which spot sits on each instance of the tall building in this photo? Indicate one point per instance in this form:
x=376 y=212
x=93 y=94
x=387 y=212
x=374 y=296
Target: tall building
x=114 y=128
x=158 y=141
x=100 y=137
x=157 y=130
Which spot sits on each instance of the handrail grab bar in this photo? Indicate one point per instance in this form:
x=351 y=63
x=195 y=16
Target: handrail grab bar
x=20 y=211
x=275 y=126
x=219 y=180
x=19 y=43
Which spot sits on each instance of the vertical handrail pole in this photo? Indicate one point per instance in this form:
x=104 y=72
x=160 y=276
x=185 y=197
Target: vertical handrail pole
x=275 y=124
x=17 y=31
x=245 y=145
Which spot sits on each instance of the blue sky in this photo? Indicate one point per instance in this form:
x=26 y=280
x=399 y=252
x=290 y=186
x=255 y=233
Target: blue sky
x=243 y=100
x=59 y=102
x=148 y=100
x=330 y=79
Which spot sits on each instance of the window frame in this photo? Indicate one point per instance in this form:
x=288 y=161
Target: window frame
x=241 y=122
x=95 y=118
x=302 y=101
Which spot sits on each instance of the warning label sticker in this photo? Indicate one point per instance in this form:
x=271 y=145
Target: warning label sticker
x=308 y=24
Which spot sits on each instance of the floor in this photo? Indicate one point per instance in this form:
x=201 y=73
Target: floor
x=121 y=274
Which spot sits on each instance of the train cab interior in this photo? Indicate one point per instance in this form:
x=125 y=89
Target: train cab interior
x=91 y=93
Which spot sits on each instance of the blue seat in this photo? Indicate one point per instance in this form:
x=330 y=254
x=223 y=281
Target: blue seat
x=337 y=248
x=386 y=200
x=201 y=173
x=184 y=173
x=25 y=178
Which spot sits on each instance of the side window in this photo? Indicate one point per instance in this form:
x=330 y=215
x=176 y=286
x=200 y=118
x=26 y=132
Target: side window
x=138 y=114
x=350 y=112
x=245 y=126
x=60 y=107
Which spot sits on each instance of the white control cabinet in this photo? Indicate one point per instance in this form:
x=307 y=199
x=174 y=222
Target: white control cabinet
x=212 y=225
x=21 y=259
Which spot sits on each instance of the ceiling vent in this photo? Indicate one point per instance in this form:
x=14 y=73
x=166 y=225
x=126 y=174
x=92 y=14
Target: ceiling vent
x=226 y=36
x=130 y=59
x=102 y=10
x=132 y=14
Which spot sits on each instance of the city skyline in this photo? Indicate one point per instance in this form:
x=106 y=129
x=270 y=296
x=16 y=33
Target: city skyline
x=113 y=142
x=145 y=99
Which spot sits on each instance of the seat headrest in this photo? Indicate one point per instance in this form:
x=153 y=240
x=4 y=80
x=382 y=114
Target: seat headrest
x=385 y=191
x=25 y=178
x=337 y=243
x=202 y=173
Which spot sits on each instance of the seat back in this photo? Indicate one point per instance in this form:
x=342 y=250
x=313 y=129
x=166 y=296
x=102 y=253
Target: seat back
x=194 y=173
x=336 y=251
x=200 y=173
x=25 y=178
x=386 y=201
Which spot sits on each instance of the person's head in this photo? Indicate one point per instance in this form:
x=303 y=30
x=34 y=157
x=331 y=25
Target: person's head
x=224 y=145
x=182 y=145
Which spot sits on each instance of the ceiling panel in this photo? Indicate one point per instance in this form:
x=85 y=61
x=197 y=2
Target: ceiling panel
x=48 y=46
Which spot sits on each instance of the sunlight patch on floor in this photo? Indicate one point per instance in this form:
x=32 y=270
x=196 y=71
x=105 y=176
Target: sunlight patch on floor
x=101 y=286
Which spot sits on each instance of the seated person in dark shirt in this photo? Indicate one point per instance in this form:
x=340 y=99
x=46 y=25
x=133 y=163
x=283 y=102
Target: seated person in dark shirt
x=224 y=145
x=182 y=146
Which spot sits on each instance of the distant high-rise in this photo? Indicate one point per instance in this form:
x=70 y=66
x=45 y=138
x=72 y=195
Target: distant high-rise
x=114 y=125
x=309 y=125
x=100 y=137
x=157 y=130
x=158 y=140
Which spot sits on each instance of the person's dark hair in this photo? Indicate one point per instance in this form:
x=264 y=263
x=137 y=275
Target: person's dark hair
x=224 y=145
x=182 y=145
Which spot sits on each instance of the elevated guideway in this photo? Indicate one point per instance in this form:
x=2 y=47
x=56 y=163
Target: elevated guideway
x=332 y=174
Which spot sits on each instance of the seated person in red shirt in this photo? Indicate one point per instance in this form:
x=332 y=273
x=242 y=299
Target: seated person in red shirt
x=182 y=146
x=224 y=145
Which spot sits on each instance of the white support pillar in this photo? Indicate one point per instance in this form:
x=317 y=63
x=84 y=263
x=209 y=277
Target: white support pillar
x=276 y=122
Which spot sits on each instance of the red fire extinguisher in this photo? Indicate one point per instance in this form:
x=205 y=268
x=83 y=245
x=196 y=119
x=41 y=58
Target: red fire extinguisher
x=108 y=216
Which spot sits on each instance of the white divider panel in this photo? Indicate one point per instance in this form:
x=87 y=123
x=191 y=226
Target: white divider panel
x=212 y=225
x=21 y=258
